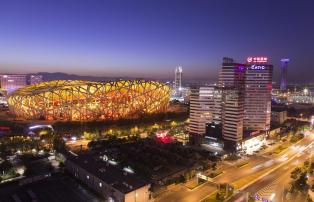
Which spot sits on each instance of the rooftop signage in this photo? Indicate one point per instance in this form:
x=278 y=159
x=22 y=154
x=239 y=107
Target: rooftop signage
x=257 y=59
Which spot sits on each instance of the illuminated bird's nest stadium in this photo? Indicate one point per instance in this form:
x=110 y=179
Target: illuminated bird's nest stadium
x=82 y=100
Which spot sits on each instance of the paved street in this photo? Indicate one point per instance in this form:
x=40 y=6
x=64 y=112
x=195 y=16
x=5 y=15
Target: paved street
x=280 y=167
x=272 y=186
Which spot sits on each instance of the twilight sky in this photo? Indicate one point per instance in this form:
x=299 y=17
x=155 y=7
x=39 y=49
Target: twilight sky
x=149 y=38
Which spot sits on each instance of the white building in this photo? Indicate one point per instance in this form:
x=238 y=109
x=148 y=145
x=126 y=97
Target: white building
x=232 y=118
x=12 y=82
x=200 y=111
x=178 y=78
x=35 y=78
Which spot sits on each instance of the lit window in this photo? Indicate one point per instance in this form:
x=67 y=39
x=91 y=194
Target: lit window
x=87 y=176
x=100 y=184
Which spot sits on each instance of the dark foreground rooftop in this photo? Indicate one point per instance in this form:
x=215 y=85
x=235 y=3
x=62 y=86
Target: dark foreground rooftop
x=113 y=175
x=58 y=188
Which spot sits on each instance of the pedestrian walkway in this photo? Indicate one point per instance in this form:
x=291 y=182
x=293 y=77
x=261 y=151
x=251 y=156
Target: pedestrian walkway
x=268 y=191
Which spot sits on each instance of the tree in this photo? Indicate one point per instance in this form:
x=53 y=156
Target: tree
x=296 y=173
x=58 y=143
x=214 y=166
x=300 y=184
x=5 y=166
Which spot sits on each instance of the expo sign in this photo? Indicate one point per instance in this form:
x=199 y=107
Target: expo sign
x=257 y=67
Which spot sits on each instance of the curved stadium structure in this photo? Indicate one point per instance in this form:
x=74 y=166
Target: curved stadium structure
x=83 y=100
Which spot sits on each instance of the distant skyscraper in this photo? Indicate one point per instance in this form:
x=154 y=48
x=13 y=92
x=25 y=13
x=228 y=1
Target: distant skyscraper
x=178 y=79
x=284 y=73
x=11 y=82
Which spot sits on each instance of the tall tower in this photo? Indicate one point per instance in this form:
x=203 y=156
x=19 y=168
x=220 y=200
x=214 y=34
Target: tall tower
x=231 y=82
x=258 y=86
x=283 y=74
x=201 y=107
x=178 y=79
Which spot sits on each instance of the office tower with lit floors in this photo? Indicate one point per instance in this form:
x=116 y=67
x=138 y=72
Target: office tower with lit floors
x=200 y=112
x=12 y=82
x=35 y=78
x=232 y=118
x=257 y=97
x=178 y=80
x=231 y=83
x=231 y=74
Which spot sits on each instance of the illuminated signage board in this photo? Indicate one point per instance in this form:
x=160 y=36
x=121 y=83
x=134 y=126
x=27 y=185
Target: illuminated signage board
x=257 y=67
x=257 y=59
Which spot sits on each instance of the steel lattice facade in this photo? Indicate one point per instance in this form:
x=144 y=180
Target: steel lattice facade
x=83 y=100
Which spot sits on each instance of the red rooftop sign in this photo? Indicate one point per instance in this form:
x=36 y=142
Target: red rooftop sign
x=256 y=59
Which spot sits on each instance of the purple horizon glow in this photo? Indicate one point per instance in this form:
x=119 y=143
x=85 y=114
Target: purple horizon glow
x=150 y=38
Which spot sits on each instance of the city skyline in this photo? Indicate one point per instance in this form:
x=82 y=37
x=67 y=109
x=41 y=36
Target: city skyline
x=149 y=39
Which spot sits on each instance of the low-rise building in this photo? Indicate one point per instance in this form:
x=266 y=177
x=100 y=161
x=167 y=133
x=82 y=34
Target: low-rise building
x=12 y=82
x=278 y=116
x=107 y=178
x=35 y=78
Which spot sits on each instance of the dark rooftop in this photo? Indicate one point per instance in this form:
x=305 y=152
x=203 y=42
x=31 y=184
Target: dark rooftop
x=113 y=175
x=278 y=110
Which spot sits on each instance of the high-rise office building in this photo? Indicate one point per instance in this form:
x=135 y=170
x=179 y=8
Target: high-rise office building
x=11 y=82
x=216 y=104
x=232 y=118
x=200 y=112
x=178 y=79
x=241 y=102
x=231 y=83
x=257 y=96
x=231 y=74
x=35 y=78
x=284 y=73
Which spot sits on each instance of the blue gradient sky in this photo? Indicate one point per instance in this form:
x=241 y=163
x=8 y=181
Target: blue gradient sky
x=149 y=38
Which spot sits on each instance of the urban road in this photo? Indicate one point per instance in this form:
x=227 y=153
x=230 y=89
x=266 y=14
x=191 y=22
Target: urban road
x=269 y=186
x=272 y=187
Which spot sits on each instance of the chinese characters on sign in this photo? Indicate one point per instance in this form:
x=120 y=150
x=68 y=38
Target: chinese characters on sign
x=257 y=59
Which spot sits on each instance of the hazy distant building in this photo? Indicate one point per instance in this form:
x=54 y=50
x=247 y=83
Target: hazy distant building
x=284 y=74
x=11 y=82
x=35 y=78
x=179 y=93
x=178 y=79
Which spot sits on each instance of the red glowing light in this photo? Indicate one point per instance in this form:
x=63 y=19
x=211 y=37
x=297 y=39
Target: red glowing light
x=163 y=137
x=256 y=59
x=4 y=128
